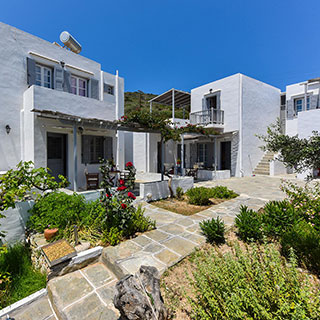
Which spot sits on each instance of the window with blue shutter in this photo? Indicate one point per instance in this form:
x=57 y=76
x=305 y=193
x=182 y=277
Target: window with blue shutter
x=58 y=78
x=95 y=148
x=108 y=148
x=66 y=81
x=31 y=71
x=94 y=89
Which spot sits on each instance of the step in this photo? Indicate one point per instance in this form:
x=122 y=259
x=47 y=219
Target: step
x=264 y=161
x=261 y=172
x=264 y=165
x=84 y=294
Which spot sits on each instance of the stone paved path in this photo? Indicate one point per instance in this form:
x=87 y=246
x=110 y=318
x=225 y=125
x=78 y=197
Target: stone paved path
x=88 y=293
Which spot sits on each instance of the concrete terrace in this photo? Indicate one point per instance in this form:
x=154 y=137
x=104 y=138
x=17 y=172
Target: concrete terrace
x=88 y=293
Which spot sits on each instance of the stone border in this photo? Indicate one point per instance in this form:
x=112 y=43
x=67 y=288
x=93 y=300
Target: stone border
x=82 y=259
x=23 y=302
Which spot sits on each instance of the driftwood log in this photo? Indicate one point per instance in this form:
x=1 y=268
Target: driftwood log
x=138 y=296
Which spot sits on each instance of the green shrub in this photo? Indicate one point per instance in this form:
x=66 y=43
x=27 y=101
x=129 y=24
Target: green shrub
x=249 y=223
x=221 y=192
x=305 y=240
x=198 y=196
x=277 y=217
x=24 y=279
x=58 y=210
x=214 y=230
x=179 y=193
x=306 y=200
x=253 y=283
x=140 y=222
x=112 y=236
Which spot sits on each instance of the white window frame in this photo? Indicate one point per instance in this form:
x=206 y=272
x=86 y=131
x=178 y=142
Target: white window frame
x=303 y=106
x=77 y=87
x=42 y=81
x=108 y=88
x=90 y=151
x=202 y=152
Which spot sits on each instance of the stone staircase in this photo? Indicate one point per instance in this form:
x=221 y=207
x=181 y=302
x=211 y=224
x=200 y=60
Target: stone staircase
x=263 y=167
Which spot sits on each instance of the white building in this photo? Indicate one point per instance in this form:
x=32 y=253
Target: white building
x=56 y=107
x=302 y=105
x=238 y=107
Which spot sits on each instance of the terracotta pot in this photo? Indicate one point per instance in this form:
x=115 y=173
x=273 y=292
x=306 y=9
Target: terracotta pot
x=50 y=233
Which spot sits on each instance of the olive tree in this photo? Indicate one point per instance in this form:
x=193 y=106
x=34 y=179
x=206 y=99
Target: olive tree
x=302 y=154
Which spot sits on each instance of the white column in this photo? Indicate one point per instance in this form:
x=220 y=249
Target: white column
x=150 y=106
x=182 y=154
x=75 y=159
x=173 y=105
x=305 y=96
x=215 y=156
x=117 y=118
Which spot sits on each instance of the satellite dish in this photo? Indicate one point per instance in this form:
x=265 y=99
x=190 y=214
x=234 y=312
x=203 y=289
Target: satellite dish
x=69 y=41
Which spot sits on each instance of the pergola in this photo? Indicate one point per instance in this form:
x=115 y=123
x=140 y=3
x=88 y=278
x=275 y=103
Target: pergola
x=76 y=122
x=174 y=98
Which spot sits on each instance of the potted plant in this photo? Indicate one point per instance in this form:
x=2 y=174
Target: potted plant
x=49 y=233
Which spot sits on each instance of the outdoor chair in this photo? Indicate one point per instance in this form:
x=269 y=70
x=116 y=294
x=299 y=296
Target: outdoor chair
x=92 y=181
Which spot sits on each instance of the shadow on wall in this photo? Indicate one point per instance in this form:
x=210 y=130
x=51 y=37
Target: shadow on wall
x=14 y=222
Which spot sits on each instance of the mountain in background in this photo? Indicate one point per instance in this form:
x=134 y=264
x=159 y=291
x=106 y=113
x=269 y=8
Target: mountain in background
x=137 y=99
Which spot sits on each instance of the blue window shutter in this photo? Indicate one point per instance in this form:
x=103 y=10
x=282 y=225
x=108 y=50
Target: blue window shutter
x=31 y=71
x=108 y=149
x=58 y=78
x=66 y=81
x=94 y=89
x=313 y=102
x=290 y=109
x=85 y=149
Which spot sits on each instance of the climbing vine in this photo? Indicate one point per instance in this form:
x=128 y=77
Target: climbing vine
x=156 y=122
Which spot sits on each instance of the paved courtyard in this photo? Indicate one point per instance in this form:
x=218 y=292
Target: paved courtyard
x=88 y=293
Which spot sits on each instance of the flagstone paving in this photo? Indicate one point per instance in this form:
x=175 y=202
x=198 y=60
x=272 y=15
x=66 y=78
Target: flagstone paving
x=88 y=293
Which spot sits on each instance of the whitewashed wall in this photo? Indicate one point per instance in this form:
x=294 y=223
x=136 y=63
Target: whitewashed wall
x=159 y=189
x=229 y=88
x=16 y=100
x=260 y=108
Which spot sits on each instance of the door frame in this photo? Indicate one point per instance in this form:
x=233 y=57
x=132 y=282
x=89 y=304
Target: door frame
x=65 y=137
x=221 y=151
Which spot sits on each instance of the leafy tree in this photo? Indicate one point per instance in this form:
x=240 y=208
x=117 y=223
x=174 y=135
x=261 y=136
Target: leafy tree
x=18 y=182
x=300 y=153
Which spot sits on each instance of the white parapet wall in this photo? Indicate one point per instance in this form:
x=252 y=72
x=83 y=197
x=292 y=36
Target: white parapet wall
x=15 y=219
x=156 y=190
x=213 y=175
x=14 y=222
x=277 y=168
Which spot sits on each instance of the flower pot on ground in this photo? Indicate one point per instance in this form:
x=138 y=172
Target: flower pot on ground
x=50 y=233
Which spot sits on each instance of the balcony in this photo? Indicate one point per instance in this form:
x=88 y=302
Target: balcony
x=210 y=117
x=41 y=98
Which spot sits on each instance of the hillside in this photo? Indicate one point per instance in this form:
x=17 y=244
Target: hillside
x=133 y=100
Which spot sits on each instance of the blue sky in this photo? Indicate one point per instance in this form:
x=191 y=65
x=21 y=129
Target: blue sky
x=157 y=45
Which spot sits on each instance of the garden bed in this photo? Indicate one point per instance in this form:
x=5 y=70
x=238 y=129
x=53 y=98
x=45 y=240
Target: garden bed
x=182 y=206
x=195 y=199
x=209 y=273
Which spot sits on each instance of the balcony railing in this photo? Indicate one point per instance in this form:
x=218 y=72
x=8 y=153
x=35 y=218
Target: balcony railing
x=206 y=117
